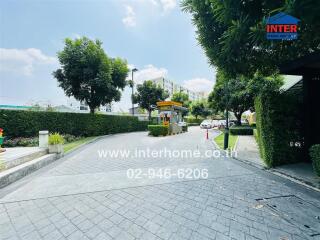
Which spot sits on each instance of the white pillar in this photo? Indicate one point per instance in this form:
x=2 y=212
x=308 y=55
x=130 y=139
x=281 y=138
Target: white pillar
x=43 y=139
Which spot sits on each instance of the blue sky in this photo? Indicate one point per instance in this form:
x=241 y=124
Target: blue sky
x=153 y=35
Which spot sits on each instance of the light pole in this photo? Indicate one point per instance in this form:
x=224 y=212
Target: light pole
x=226 y=130
x=132 y=86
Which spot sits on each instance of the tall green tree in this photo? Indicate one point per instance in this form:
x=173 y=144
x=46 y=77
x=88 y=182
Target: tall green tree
x=237 y=94
x=200 y=108
x=148 y=94
x=183 y=98
x=233 y=34
x=88 y=74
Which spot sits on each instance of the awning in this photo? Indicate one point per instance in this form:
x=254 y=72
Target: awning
x=307 y=65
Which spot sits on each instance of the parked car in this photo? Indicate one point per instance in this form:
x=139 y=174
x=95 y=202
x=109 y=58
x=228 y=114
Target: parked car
x=215 y=123
x=222 y=123
x=244 y=121
x=206 y=124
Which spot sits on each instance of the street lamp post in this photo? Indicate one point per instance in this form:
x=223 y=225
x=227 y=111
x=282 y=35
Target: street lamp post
x=132 y=86
x=226 y=130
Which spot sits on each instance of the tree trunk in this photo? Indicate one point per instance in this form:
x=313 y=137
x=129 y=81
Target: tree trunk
x=238 y=116
x=149 y=111
x=91 y=110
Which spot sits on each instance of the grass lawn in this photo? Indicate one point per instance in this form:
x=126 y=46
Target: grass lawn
x=72 y=145
x=220 y=138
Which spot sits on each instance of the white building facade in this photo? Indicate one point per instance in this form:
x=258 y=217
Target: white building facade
x=82 y=107
x=171 y=87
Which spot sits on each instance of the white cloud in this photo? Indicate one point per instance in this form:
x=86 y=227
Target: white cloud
x=165 y=5
x=149 y=72
x=168 y=5
x=130 y=19
x=23 y=61
x=76 y=36
x=199 y=85
x=145 y=7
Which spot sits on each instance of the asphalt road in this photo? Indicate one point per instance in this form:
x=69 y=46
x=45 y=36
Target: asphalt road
x=132 y=186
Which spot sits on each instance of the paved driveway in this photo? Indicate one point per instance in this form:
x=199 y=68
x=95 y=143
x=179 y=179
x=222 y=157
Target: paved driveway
x=89 y=195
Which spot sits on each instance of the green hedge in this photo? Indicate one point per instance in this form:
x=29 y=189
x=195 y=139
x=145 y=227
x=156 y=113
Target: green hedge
x=241 y=130
x=315 y=157
x=29 y=123
x=279 y=127
x=193 y=124
x=158 y=130
x=255 y=134
x=193 y=120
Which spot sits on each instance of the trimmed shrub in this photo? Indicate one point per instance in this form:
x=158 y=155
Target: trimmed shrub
x=279 y=127
x=158 y=130
x=193 y=124
x=29 y=123
x=193 y=120
x=21 y=142
x=32 y=141
x=241 y=130
x=70 y=138
x=315 y=157
x=55 y=139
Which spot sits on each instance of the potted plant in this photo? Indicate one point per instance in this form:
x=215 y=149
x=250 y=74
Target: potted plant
x=56 y=143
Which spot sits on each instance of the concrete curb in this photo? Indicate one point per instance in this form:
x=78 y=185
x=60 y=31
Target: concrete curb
x=83 y=144
x=280 y=174
x=25 y=158
x=293 y=179
x=273 y=171
x=251 y=163
x=13 y=174
x=236 y=144
x=214 y=143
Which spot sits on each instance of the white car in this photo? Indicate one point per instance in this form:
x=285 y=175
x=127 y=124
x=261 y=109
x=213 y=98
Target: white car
x=215 y=123
x=206 y=124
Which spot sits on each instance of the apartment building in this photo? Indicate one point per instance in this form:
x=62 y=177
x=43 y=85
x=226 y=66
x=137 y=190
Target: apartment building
x=172 y=87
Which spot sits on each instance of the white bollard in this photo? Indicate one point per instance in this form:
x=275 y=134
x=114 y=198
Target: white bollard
x=43 y=139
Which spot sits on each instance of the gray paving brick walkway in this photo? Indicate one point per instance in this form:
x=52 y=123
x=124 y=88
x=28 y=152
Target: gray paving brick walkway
x=235 y=202
x=248 y=150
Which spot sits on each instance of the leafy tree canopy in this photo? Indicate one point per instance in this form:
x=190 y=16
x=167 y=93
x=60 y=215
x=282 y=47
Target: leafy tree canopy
x=183 y=98
x=88 y=74
x=232 y=33
x=237 y=94
x=200 y=108
x=148 y=94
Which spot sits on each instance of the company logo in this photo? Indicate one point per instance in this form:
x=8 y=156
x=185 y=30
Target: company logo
x=282 y=27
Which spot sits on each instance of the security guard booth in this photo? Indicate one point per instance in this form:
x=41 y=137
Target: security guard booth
x=170 y=114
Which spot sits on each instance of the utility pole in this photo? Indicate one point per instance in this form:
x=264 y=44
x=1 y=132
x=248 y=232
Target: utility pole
x=132 y=86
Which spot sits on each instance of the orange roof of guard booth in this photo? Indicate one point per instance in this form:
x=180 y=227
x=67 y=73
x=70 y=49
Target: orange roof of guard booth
x=169 y=103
